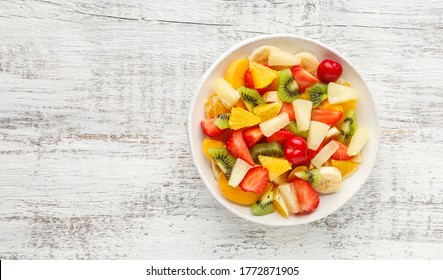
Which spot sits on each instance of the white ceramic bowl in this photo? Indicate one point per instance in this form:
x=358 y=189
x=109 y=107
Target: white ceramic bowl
x=366 y=114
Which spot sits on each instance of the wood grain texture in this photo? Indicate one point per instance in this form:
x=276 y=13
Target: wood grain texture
x=94 y=160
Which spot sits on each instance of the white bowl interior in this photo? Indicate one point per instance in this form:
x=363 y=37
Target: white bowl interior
x=366 y=114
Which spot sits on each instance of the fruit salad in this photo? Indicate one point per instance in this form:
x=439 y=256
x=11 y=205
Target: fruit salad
x=281 y=130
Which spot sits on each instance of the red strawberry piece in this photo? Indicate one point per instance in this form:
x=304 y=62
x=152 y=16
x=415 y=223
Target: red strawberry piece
x=288 y=108
x=307 y=198
x=210 y=129
x=250 y=83
x=326 y=116
x=303 y=78
x=341 y=153
x=255 y=180
x=252 y=136
x=236 y=146
x=280 y=136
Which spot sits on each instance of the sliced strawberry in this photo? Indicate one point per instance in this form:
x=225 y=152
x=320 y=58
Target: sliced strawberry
x=280 y=136
x=341 y=153
x=326 y=116
x=252 y=136
x=236 y=146
x=250 y=83
x=288 y=108
x=303 y=78
x=307 y=197
x=255 y=180
x=210 y=129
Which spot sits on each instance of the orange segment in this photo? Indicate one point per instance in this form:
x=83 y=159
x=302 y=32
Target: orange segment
x=346 y=167
x=292 y=176
x=235 y=74
x=236 y=194
x=241 y=118
x=267 y=111
x=274 y=84
x=214 y=107
x=209 y=144
x=325 y=105
x=350 y=105
x=240 y=104
x=275 y=166
x=261 y=75
x=279 y=203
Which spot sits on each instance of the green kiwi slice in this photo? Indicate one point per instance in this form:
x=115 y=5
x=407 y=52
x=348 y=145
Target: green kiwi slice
x=223 y=159
x=250 y=97
x=222 y=121
x=348 y=127
x=292 y=126
x=287 y=87
x=264 y=205
x=317 y=93
x=272 y=149
x=312 y=176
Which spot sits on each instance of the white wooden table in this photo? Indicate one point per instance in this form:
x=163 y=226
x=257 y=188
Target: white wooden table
x=94 y=157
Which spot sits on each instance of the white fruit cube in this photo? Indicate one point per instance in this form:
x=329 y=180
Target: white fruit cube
x=227 y=94
x=302 y=110
x=290 y=197
x=332 y=132
x=273 y=125
x=281 y=58
x=271 y=96
x=325 y=153
x=317 y=132
x=358 y=140
x=339 y=94
x=239 y=171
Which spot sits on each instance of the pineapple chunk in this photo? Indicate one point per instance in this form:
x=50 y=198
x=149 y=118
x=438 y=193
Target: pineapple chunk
x=225 y=92
x=302 y=109
x=239 y=171
x=340 y=94
x=358 y=141
x=317 y=132
x=325 y=153
x=275 y=124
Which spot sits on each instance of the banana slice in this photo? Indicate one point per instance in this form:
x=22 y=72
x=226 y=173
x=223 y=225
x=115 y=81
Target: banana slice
x=261 y=54
x=331 y=180
x=308 y=61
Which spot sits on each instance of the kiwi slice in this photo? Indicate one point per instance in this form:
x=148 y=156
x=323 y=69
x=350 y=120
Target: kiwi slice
x=312 y=176
x=348 y=127
x=317 y=93
x=223 y=159
x=272 y=149
x=292 y=126
x=264 y=205
x=287 y=87
x=222 y=121
x=250 y=97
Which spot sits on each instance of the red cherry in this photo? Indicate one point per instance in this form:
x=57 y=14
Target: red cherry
x=296 y=150
x=329 y=71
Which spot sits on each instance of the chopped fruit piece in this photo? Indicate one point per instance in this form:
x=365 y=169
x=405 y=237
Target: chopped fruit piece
x=296 y=150
x=227 y=94
x=240 y=104
x=210 y=144
x=275 y=166
x=273 y=86
x=325 y=105
x=267 y=111
x=261 y=54
x=312 y=176
x=307 y=198
x=358 y=141
x=272 y=149
x=281 y=179
x=239 y=171
x=313 y=153
x=341 y=153
x=261 y=75
x=280 y=136
x=224 y=160
x=281 y=58
x=273 y=125
x=264 y=205
x=241 y=118
x=348 y=127
x=317 y=132
x=325 y=153
x=333 y=132
x=255 y=180
x=251 y=98
x=303 y=78
x=288 y=108
x=329 y=71
x=288 y=90
x=341 y=94
x=248 y=79
x=326 y=116
x=302 y=109
x=331 y=180
x=222 y=121
x=308 y=61
x=210 y=129
x=292 y=126
x=235 y=74
x=292 y=176
x=271 y=96
x=346 y=167
x=215 y=169
x=236 y=146
x=252 y=136
x=236 y=195
x=289 y=195
x=279 y=204
x=214 y=107
x=349 y=105
x=317 y=94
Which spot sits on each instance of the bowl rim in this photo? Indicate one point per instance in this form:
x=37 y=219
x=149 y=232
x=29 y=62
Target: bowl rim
x=225 y=54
